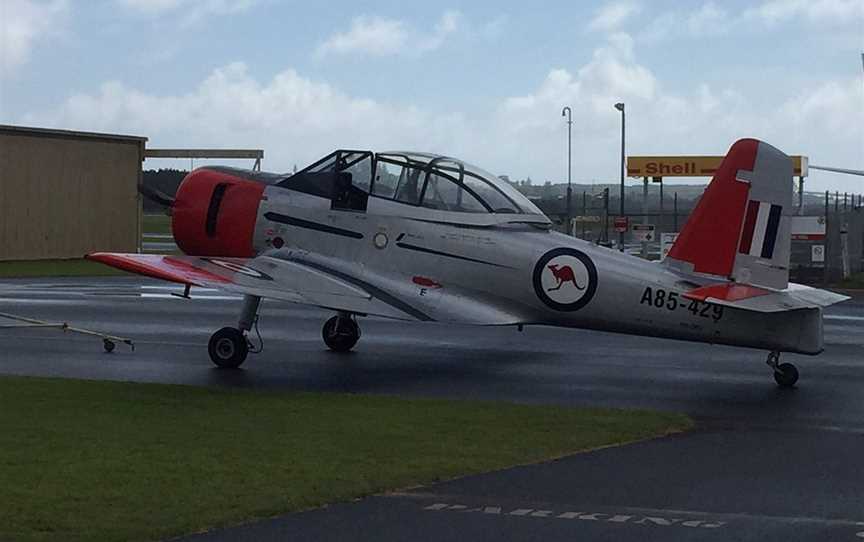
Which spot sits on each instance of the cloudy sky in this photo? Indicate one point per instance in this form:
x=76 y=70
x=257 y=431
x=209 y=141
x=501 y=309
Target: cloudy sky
x=484 y=81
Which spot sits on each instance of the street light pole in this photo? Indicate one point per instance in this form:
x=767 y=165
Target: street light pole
x=620 y=107
x=567 y=112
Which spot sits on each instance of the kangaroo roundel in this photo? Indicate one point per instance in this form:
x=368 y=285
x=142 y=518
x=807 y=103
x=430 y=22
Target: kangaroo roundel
x=565 y=279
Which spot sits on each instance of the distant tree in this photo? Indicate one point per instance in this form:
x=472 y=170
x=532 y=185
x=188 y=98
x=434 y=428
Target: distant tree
x=163 y=180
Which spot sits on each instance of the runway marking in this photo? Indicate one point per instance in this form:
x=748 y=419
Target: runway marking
x=653 y=517
x=843 y=317
x=195 y=293
x=108 y=297
x=179 y=288
x=192 y=296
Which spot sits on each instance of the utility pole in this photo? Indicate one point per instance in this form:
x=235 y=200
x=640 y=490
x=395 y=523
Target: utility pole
x=801 y=195
x=644 y=214
x=606 y=214
x=567 y=112
x=827 y=273
x=675 y=207
x=584 y=211
x=620 y=107
x=659 y=231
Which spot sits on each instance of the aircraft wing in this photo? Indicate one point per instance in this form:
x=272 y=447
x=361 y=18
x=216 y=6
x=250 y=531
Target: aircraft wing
x=266 y=277
x=754 y=298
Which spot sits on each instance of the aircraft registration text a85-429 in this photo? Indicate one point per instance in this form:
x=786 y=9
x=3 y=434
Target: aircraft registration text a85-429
x=418 y=236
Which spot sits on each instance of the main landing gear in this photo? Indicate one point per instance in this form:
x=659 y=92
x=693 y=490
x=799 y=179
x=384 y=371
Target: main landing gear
x=785 y=374
x=229 y=346
x=341 y=332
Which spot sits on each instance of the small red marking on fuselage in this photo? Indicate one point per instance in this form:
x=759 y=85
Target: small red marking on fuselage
x=425 y=282
x=563 y=273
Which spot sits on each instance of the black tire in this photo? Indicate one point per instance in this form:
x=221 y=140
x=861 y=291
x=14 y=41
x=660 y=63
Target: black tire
x=786 y=375
x=228 y=348
x=108 y=345
x=340 y=334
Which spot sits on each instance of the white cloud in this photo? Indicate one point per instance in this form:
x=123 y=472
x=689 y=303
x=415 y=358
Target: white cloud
x=712 y=19
x=23 y=23
x=151 y=6
x=822 y=11
x=447 y=25
x=612 y=16
x=824 y=120
x=832 y=106
x=707 y=20
x=189 y=11
x=382 y=36
x=292 y=117
x=296 y=119
x=372 y=35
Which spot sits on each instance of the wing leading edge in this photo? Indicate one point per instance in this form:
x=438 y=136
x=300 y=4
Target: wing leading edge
x=266 y=277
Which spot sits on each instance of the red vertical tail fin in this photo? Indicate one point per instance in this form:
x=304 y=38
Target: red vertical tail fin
x=739 y=230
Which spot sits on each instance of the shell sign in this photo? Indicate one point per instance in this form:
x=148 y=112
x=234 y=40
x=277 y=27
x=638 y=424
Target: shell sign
x=690 y=166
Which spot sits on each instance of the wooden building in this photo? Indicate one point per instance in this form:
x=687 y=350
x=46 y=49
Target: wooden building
x=64 y=194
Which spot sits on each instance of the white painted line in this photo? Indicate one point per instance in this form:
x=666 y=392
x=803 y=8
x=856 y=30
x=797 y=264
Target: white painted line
x=179 y=288
x=196 y=297
x=623 y=514
x=844 y=317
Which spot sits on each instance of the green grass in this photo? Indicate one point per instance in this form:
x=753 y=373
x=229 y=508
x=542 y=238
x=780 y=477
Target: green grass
x=56 y=268
x=156 y=224
x=117 y=461
x=854 y=282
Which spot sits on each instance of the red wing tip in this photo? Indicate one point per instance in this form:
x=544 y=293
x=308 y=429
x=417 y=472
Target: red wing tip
x=98 y=256
x=172 y=269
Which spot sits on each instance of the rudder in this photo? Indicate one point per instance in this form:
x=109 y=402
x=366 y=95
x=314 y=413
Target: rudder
x=739 y=230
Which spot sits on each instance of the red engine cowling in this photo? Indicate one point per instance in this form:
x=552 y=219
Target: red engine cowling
x=214 y=214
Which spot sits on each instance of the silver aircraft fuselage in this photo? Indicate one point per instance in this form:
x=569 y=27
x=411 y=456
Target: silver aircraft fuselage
x=503 y=269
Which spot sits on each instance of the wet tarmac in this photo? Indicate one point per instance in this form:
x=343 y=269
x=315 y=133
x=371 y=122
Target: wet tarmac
x=764 y=464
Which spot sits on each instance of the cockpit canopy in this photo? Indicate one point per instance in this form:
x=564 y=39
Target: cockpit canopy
x=420 y=179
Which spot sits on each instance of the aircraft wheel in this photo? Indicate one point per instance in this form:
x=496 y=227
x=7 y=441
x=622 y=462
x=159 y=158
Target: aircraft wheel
x=340 y=333
x=786 y=375
x=228 y=348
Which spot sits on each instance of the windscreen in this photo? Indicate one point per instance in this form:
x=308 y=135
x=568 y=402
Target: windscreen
x=445 y=184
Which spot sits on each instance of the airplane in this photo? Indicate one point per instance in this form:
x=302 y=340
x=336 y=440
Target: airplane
x=424 y=237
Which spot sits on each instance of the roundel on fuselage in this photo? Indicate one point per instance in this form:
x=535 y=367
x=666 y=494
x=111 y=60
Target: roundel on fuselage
x=565 y=279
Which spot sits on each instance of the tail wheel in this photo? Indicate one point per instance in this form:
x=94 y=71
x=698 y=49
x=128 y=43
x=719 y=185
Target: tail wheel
x=340 y=333
x=786 y=375
x=228 y=348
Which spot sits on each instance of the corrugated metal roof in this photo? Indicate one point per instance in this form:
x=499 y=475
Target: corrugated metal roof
x=49 y=132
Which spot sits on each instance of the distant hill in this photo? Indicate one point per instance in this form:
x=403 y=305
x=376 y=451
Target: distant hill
x=551 y=198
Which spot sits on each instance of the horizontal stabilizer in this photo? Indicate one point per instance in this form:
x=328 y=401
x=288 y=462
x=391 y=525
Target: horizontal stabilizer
x=753 y=298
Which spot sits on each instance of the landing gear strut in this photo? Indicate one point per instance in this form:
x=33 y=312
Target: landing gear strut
x=341 y=332
x=785 y=374
x=229 y=346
